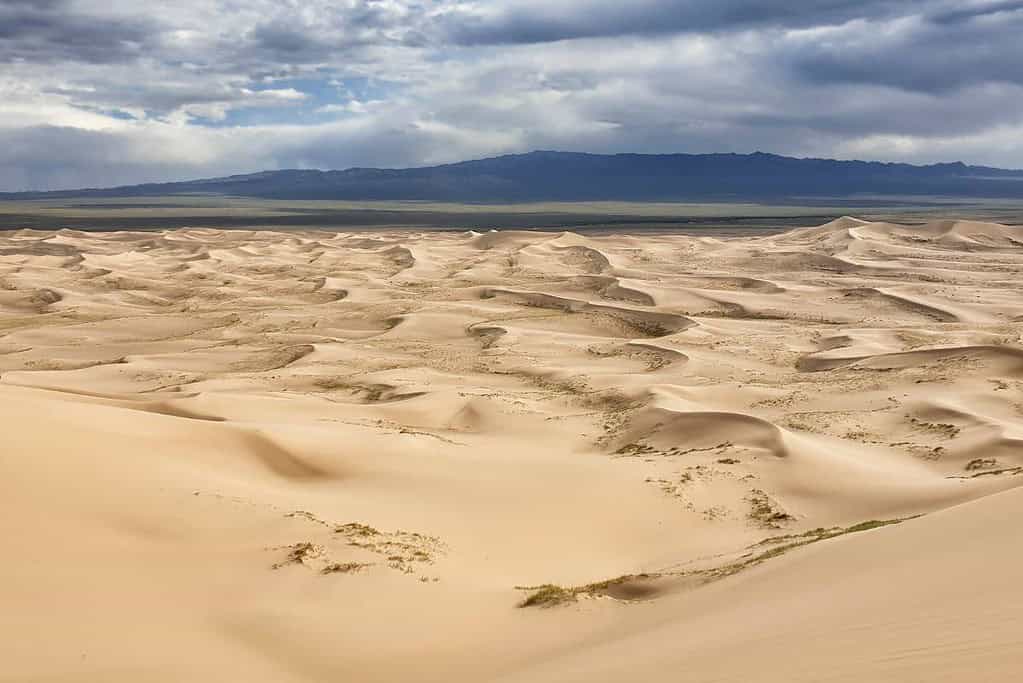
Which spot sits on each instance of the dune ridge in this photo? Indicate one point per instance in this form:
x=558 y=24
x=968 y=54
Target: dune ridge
x=512 y=456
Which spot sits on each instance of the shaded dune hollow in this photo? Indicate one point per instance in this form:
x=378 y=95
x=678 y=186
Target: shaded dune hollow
x=499 y=456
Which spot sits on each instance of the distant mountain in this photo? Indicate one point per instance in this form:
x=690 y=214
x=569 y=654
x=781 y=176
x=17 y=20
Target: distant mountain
x=566 y=176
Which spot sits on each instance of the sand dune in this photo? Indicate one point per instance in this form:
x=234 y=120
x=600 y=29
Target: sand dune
x=512 y=456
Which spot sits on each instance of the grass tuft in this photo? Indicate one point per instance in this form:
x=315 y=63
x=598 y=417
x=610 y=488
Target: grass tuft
x=550 y=595
x=344 y=568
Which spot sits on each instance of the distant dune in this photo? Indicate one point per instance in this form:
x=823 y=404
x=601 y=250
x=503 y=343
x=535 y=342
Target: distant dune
x=512 y=456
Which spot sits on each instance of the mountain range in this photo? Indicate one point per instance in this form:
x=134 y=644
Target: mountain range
x=571 y=176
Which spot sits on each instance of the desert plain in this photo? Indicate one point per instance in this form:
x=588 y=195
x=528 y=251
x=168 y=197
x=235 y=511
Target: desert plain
x=510 y=456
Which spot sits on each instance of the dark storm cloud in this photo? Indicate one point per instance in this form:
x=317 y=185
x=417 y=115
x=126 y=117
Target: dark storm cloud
x=362 y=24
x=535 y=22
x=62 y=156
x=121 y=91
x=53 y=31
x=282 y=39
x=940 y=53
x=274 y=45
x=907 y=114
x=969 y=13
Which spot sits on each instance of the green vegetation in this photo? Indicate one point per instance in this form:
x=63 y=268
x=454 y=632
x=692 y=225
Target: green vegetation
x=356 y=529
x=176 y=211
x=872 y=524
x=765 y=511
x=298 y=554
x=550 y=595
x=981 y=464
x=799 y=540
x=345 y=568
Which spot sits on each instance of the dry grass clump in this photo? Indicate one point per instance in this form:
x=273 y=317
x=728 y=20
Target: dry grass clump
x=551 y=595
x=344 y=568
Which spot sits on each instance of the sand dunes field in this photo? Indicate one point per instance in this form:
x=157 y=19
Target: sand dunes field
x=512 y=456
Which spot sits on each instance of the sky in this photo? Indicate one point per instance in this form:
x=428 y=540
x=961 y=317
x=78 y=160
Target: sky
x=106 y=92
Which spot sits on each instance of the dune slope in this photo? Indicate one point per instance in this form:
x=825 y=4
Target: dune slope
x=314 y=456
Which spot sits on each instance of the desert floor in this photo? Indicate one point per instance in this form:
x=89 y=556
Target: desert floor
x=512 y=456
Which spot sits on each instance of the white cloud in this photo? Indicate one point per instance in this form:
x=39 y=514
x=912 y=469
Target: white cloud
x=205 y=87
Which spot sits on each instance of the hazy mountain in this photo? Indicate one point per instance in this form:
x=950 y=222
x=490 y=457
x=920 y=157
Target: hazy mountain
x=572 y=176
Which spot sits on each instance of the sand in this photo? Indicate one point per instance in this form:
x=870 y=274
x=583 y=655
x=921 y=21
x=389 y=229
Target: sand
x=313 y=456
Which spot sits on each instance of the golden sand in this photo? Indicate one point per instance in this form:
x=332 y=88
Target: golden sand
x=311 y=456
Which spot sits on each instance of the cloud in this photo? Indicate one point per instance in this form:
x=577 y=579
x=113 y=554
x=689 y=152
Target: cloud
x=176 y=99
x=140 y=152
x=540 y=21
x=54 y=31
x=970 y=11
x=920 y=53
x=117 y=91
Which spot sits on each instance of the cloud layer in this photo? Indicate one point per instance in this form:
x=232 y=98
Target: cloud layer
x=99 y=92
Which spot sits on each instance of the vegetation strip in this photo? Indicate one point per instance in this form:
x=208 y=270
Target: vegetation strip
x=550 y=595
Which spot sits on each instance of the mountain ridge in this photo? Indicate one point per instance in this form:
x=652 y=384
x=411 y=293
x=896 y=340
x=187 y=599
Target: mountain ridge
x=554 y=175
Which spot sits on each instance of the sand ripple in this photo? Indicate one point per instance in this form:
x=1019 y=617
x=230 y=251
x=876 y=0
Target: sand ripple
x=310 y=456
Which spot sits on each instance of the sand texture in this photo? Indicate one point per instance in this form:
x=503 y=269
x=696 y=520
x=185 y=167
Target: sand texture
x=512 y=456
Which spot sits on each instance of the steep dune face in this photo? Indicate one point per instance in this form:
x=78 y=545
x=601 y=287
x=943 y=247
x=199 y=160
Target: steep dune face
x=311 y=456
x=934 y=598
